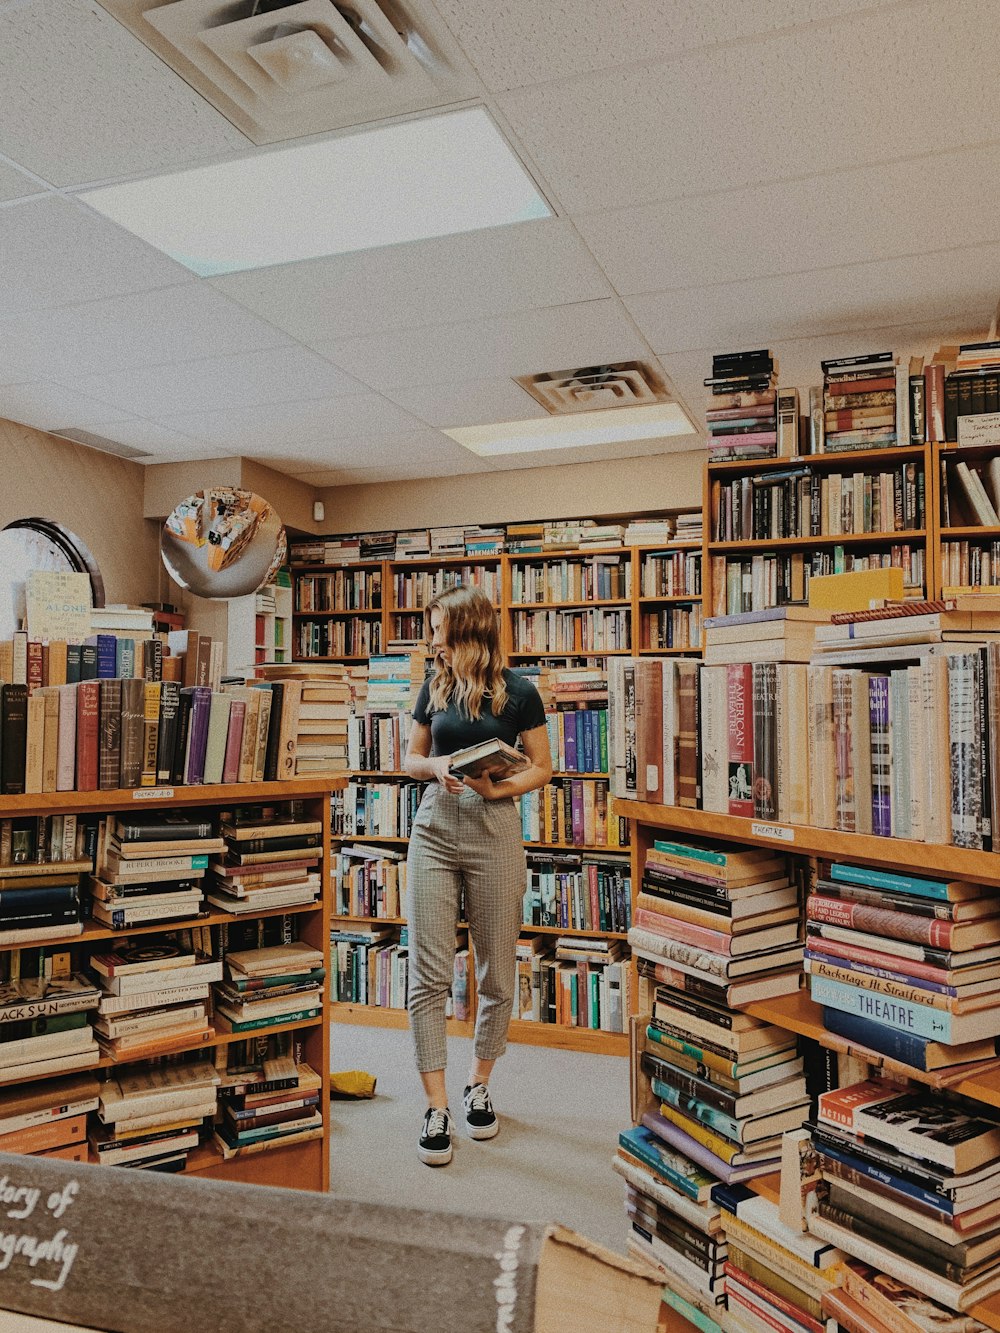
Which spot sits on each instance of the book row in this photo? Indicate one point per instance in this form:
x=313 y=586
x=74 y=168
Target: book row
x=370 y=966
x=969 y=564
x=571 y=631
x=596 y=578
x=907 y=752
x=574 y=892
x=672 y=628
x=671 y=574
x=355 y=637
x=805 y=503
x=574 y=811
x=413 y=590
x=970 y=493
x=343 y=590
x=762 y=581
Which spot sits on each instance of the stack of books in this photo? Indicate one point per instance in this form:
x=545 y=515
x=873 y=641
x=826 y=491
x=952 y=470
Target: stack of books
x=447 y=542
x=866 y=403
x=270 y=986
x=154 y=995
x=393 y=682
x=525 y=538
x=480 y=540
x=414 y=544
x=776 y=1277
x=40 y=901
x=49 y=1118
x=780 y=634
x=44 y=1018
x=268 y=1099
x=327 y=551
x=904 y=965
x=972 y=395
x=650 y=531
x=151 y=869
x=377 y=545
x=870 y=1300
x=578 y=726
x=316 y=737
x=688 y=527
x=151 y=1118
x=271 y=859
x=742 y=414
x=912 y=1187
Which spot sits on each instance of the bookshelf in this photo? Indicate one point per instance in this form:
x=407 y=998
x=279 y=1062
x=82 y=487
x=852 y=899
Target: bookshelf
x=797 y=1012
x=968 y=535
x=770 y=523
x=303 y=1165
x=569 y=582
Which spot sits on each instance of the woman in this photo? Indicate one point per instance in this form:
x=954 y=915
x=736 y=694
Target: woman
x=467 y=834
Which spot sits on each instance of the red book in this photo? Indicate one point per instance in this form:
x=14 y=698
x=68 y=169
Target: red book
x=36 y=666
x=234 y=741
x=739 y=717
x=934 y=410
x=576 y=799
x=846 y=384
x=88 y=713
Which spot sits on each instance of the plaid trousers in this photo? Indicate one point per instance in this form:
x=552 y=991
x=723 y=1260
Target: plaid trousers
x=461 y=841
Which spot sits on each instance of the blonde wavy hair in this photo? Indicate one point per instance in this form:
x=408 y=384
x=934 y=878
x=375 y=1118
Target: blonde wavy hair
x=470 y=627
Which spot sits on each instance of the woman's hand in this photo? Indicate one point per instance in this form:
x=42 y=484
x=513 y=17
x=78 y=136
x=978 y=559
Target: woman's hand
x=443 y=775
x=484 y=785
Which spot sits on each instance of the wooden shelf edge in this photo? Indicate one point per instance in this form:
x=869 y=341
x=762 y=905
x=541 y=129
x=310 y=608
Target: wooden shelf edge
x=922 y=857
x=136 y=798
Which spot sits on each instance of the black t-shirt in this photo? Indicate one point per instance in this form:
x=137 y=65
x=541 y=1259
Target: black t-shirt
x=452 y=730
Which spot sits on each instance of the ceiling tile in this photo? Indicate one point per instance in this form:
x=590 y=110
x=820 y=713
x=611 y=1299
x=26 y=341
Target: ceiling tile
x=957 y=284
x=57 y=252
x=83 y=100
x=15 y=184
x=475 y=275
x=42 y=404
x=735 y=115
x=153 y=438
x=309 y=422
x=594 y=453
x=522 y=42
x=468 y=402
x=791 y=226
x=146 y=328
x=535 y=340
x=218 y=383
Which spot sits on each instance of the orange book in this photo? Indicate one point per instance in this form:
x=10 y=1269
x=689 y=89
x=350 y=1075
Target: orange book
x=51 y=1134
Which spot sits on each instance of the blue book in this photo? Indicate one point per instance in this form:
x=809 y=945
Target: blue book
x=917 y=1052
x=589 y=763
x=917 y=1020
x=936 y=889
x=881 y=1176
x=73 y=652
x=678 y=1170
x=107 y=655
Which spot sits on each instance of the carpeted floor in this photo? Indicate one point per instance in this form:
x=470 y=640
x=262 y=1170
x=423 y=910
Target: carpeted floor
x=560 y=1112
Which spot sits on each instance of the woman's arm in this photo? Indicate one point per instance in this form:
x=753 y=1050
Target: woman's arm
x=538 y=772
x=418 y=763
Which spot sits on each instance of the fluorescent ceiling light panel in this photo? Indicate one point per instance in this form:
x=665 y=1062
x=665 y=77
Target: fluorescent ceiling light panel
x=613 y=425
x=405 y=182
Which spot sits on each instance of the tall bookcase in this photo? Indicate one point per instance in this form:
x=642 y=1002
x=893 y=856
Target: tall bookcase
x=969 y=548
x=301 y=1166
x=562 y=583
x=797 y=1012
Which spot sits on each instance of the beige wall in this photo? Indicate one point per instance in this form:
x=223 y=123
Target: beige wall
x=95 y=495
x=167 y=483
x=577 y=490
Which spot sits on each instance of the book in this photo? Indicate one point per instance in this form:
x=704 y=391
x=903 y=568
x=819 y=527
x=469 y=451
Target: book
x=492 y=757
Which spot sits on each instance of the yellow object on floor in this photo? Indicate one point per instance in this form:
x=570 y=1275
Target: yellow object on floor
x=352 y=1083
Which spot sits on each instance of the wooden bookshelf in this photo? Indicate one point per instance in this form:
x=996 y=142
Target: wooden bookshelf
x=305 y=1165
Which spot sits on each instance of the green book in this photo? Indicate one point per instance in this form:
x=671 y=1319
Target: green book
x=252 y=1024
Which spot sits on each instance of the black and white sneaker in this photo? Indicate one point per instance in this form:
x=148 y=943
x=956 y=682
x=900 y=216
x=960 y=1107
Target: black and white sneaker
x=434 y=1146
x=480 y=1118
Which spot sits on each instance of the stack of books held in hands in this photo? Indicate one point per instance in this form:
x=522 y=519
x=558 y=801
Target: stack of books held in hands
x=281 y=983
x=904 y=965
x=271 y=859
x=154 y=995
x=267 y=1097
x=151 y=1118
x=151 y=868
x=48 y=1118
x=912 y=1187
x=742 y=414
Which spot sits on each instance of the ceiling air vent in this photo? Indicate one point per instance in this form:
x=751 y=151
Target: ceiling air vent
x=98 y=442
x=624 y=384
x=285 y=70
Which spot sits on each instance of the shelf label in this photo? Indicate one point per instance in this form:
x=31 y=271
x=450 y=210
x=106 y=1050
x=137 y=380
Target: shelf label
x=773 y=831
x=153 y=794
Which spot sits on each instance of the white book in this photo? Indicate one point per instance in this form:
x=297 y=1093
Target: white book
x=670 y=731
x=162 y=980
x=55 y=1064
x=49 y=1045
x=137 y=1152
x=124 y=1004
x=127 y=1025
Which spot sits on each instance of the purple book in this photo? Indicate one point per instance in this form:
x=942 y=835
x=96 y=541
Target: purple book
x=569 y=741
x=576 y=806
x=878 y=713
x=201 y=705
x=670 y=1133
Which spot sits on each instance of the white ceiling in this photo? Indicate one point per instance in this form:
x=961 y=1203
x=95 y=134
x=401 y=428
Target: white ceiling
x=817 y=176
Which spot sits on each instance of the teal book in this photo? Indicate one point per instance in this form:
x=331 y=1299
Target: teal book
x=915 y=1020
x=936 y=889
x=710 y=1116
x=676 y=1169
x=253 y=1024
x=706 y=854
x=690 y=1312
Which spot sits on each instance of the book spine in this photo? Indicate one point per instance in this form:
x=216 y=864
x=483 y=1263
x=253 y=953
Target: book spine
x=739 y=713
x=874 y=1035
x=166 y=740
x=764 y=690
x=878 y=703
x=915 y=1020
x=88 y=707
x=906 y=926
